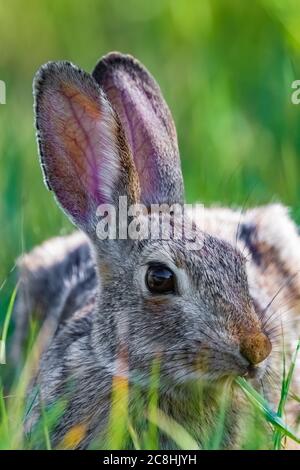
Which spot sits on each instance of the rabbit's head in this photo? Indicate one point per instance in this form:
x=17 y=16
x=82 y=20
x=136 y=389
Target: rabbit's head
x=110 y=135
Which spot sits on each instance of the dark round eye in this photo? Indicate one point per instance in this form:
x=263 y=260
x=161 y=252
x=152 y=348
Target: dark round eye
x=160 y=279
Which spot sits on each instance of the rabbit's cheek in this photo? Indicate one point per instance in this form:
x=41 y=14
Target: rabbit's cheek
x=222 y=363
x=156 y=305
x=105 y=273
x=201 y=363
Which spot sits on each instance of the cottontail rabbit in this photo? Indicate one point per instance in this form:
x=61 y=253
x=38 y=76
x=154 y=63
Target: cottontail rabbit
x=116 y=305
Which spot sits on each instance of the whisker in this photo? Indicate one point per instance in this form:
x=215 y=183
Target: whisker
x=275 y=296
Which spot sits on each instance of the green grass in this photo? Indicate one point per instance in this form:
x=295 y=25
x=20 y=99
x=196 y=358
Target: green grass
x=280 y=428
x=5 y=327
x=285 y=389
x=226 y=70
x=123 y=429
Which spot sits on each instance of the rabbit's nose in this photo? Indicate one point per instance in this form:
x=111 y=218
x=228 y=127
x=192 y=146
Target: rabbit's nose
x=255 y=347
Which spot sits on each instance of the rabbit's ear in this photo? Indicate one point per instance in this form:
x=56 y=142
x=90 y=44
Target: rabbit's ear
x=148 y=126
x=84 y=155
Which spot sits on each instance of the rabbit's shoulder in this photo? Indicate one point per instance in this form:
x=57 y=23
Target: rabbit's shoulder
x=69 y=373
x=54 y=270
x=71 y=341
x=56 y=279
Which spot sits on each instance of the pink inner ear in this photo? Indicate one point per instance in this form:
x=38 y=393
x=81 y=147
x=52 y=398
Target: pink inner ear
x=78 y=139
x=146 y=134
x=148 y=126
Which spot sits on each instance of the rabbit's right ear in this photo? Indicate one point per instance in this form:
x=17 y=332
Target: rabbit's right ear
x=148 y=126
x=84 y=154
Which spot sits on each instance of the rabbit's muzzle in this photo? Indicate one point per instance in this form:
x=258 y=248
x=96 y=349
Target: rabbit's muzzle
x=255 y=347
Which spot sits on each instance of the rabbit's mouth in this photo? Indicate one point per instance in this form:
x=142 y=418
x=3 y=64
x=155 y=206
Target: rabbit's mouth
x=254 y=372
x=213 y=365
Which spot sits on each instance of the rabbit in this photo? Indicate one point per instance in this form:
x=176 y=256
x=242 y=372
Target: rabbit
x=116 y=305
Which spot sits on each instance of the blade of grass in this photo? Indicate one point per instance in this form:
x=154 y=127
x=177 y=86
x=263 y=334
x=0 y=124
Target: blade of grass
x=45 y=427
x=261 y=404
x=286 y=382
x=4 y=423
x=218 y=434
x=295 y=397
x=117 y=428
x=134 y=436
x=6 y=325
x=151 y=437
x=174 y=430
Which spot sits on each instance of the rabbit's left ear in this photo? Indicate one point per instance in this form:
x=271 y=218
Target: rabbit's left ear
x=148 y=126
x=84 y=155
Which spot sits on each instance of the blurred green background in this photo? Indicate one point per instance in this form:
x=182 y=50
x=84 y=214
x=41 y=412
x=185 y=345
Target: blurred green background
x=225 y=67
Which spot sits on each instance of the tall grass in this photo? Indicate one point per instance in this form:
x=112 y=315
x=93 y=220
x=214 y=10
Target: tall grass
x=124 y=430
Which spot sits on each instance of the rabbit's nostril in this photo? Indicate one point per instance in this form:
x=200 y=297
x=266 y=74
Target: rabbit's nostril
x=255 y=347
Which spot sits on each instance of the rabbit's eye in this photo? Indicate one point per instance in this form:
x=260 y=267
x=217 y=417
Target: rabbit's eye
x=160 y=280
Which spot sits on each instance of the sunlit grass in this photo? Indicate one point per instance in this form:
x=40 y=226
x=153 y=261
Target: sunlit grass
x=285 y=390
x=263 y=407
x=3 y=338
x=122 y=430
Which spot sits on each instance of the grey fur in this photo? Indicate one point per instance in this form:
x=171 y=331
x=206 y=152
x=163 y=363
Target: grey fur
x=116 y=328
x=147 y=123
